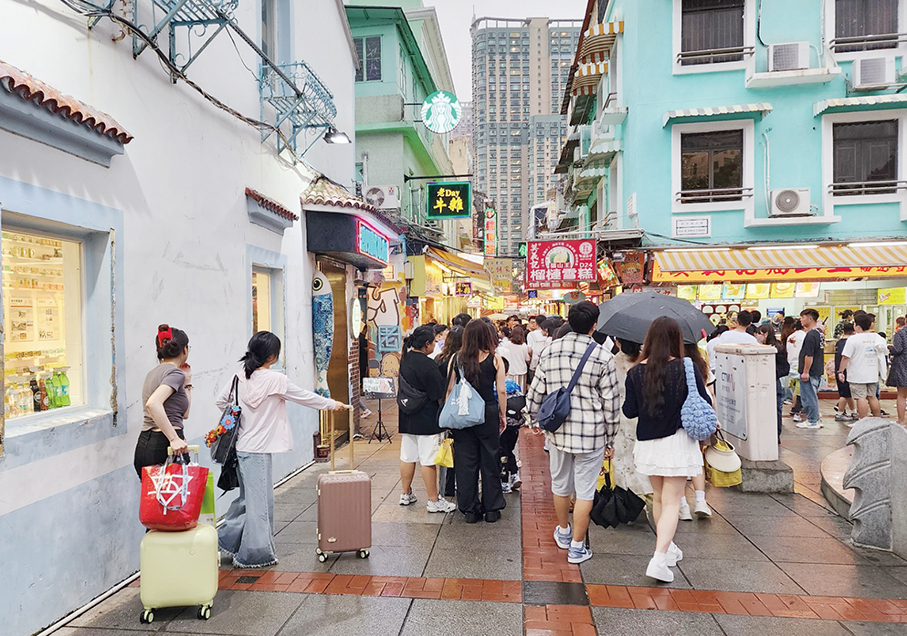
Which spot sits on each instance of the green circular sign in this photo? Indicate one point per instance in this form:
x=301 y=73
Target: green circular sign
x=441 y=112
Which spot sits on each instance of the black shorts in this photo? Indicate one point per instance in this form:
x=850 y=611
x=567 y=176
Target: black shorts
x=844 y=389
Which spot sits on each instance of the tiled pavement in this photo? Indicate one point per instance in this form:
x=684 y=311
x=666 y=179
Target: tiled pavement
x=764 y=564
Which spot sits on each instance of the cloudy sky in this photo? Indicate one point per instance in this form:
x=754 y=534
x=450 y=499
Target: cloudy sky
x=456 y=16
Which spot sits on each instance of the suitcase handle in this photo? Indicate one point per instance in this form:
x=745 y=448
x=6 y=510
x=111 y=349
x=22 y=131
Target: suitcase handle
x=330 y=416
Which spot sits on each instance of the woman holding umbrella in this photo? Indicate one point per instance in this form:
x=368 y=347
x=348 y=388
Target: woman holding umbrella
x=656 y=390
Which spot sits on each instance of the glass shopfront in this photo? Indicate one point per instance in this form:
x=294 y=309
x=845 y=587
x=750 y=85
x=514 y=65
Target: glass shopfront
x=42 y=309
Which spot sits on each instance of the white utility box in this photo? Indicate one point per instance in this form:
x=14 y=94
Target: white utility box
x=747 y=400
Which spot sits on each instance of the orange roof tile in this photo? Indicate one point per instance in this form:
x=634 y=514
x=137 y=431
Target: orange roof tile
x=31 y=90
x=323 y=191
x=271 y=205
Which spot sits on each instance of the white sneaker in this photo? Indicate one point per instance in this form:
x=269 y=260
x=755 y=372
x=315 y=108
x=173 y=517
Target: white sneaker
x=505 y=487
x=685 y=511
x=441 y=505
x=702 y=510
x=798 y=417
x=365 y=413
x=515 y=481
x=563 y=539
x=675 y=554
x=659 y=572
x=407 y=498
x=812 y=427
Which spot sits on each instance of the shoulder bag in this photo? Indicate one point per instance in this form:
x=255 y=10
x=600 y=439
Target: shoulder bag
x=464 y=406
x=222 y=439
x=697 y=416
x=556 y=406
x=410 y=400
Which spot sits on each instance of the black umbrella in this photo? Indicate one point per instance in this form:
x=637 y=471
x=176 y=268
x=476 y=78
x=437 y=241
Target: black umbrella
x=629 y=315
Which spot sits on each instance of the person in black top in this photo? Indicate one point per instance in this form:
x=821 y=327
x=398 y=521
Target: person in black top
x=477 y=446
x=765 y=334
x=452 y=345
x=419 y=432
x=845 y=398
x=812 y=368
x=656 y=391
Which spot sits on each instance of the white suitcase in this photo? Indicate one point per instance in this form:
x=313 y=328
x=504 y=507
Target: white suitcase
x=179 y=569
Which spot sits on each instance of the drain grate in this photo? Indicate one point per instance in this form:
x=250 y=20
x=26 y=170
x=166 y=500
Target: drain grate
x=247 y=579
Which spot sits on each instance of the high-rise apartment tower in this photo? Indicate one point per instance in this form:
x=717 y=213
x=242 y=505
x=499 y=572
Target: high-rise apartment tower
x=519 y=73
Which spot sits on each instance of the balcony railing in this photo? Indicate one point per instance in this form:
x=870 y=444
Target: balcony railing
x=713 y=56
x=867 y=42
x=856 y=188
x=301 y=102
x=714 y=195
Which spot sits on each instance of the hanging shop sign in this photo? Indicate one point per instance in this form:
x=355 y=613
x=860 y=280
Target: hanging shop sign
x=511 y=303
x=371 y=243
x=554 y=263
x=532 y=294
x=463 y=288
x=500 y=270
x=782 y=290
x=807 y=290
x=475 y=302
x=491 y=231
x=441 y=112
x=782 y=273
x=449 y=200
x=632 y=269
x=733 y=291
x=892 y=296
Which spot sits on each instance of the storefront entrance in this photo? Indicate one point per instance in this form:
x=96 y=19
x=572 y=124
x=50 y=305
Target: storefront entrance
x=338 y=369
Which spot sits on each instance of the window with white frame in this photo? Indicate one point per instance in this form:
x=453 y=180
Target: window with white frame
x=712 y=166
x=866 y=25
x=865 y=157
x=711 y=32
x=269 y=28
x=369 y=51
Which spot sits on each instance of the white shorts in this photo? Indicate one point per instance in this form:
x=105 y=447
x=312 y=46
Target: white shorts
x=575 y=473
x=419 y=449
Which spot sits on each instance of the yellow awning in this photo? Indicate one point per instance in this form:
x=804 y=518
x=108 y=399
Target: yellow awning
x=600 y=38
x=881 y=254
x=460 y=266
x=586 y=77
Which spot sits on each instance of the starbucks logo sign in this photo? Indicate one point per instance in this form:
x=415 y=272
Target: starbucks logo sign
x=441 y=112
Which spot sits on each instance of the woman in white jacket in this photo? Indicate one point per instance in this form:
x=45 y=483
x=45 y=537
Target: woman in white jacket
x=264 y=429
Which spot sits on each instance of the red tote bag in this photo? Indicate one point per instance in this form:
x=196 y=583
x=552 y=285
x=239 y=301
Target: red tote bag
x=172 y=496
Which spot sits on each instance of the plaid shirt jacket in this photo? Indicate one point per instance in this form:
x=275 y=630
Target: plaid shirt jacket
x=595 y=401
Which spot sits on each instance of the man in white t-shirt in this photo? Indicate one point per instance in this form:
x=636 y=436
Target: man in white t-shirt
x=864 y=360
x=737 y=335
x=536 y=339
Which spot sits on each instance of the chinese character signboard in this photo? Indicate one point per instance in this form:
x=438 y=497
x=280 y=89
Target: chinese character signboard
x=500 y=270
x=560 y=263
x=451 y=200
x=490 y=231
x=441 y=112
x=463 y=289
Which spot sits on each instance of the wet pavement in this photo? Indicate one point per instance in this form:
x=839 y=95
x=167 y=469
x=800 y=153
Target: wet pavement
x=763 y=564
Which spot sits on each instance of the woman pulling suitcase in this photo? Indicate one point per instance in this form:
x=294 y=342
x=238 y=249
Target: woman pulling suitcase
x=248 y=529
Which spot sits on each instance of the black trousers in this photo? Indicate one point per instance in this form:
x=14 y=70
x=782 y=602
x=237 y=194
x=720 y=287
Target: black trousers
x=151 y=449
x=509 y=439
x=450 y=480
x=477 y=451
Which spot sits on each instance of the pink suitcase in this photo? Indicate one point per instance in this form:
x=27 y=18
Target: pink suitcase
x=344 y=510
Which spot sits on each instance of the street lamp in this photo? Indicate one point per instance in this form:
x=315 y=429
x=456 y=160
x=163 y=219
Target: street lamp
x=334 y=136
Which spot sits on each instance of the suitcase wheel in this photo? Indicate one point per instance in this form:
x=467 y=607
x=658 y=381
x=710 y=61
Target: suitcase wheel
x=363 y=554
x=146 y=617
x=204 y=612
x=322 y=557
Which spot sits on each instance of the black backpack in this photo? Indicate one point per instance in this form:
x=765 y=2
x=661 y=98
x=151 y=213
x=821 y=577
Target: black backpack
x=410 y=400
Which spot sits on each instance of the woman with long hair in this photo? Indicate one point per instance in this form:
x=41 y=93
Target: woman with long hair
x=518 y=355
x=419 y=432
x=765 y=334
x=248 y=529
x=656 y=390
x=477 y=446
x=452 y=345
x=166 y=394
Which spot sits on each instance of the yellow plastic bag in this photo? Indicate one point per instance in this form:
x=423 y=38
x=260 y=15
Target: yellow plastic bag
x=607 y=469
x=445 y=454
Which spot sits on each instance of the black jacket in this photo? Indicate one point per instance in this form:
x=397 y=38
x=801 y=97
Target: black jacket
x=423 y=374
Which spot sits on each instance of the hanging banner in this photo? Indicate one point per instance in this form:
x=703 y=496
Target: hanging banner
x=463 y=288
x=632 y=270
x=553 y=263
x=490 y=231
x=449 y=200
x=500 y=270
x=782 y=273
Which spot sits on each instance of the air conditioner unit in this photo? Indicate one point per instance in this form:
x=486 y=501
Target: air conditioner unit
x=791 y=56
x=792 y=202
x=870 y=72
x=383 y=197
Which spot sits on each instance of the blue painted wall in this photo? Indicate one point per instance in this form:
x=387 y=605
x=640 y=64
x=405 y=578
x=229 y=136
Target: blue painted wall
x=650 y=88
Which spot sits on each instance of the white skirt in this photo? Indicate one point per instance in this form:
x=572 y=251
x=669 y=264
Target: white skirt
x=676 y=456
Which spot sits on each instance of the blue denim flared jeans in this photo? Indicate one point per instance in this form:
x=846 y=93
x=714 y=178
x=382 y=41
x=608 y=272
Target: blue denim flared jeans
x=248 y=529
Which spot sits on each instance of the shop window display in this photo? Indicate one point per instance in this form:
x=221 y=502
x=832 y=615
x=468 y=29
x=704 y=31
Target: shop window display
x=42 y=297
